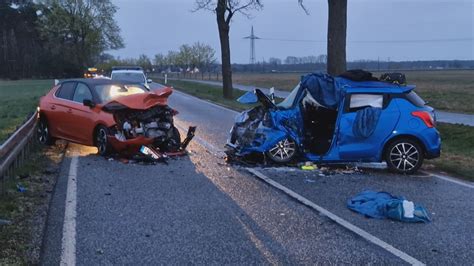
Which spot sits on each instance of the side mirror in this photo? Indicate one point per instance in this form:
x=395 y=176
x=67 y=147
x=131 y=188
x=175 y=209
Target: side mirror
x=88 y=102
x=149 y=80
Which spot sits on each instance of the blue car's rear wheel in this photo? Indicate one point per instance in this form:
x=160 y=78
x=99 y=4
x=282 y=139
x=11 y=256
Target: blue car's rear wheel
x=284 y=151
x=404 y=156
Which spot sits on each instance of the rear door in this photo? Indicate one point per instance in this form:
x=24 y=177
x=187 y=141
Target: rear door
x=355 y=147
x=58 y=109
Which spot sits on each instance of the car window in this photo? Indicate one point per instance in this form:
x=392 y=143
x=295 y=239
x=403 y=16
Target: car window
x=108 y=92
x=359 y=101
x=82 y=93
x=129 y=76
x=66 y=91
x=415 y=99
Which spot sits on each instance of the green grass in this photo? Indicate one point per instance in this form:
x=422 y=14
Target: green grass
x=17 y=100
x=445 y=90
x=457 y=140
x=457 y=156
x=19 y=207
x=210 y=93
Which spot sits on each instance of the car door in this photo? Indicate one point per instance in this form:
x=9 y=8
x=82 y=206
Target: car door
x=354 y=147
x=81 y=118
x=58 y=109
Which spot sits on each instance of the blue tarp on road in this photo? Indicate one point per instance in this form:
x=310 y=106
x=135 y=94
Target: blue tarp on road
x=382 y=205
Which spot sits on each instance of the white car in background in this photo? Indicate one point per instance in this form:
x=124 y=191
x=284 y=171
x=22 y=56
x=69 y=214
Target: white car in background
x=133 y=74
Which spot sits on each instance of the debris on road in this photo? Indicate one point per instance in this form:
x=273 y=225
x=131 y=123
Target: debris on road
x=20 y=188
x=381 y=205
x=5 y=222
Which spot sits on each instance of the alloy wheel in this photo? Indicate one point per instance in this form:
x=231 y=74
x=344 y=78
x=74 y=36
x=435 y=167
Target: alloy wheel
x=283 y=151
x=404 y=156
x=43 y=132
x=101 y=141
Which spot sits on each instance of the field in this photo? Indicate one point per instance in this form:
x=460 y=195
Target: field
x=18 y=99
x=458 y=141
x=445 y=90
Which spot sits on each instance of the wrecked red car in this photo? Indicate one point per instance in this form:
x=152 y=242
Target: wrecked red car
x=114 y=116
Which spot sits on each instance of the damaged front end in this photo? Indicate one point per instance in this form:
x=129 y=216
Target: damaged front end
x=261 y=129
x=139 y=131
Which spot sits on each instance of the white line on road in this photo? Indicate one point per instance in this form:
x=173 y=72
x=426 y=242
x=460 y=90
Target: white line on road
x=450 y=179
x=364 y=234
x=68 y=246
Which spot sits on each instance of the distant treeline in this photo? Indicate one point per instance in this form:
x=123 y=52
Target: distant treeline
x=361 y=64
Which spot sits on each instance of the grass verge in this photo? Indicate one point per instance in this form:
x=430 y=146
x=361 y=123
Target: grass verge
x=17 y=100
x=20 y=241
x=457 y=140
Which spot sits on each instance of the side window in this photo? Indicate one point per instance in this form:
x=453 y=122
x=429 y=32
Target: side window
x=82 y=93
x=66 y=91
x=360 y=101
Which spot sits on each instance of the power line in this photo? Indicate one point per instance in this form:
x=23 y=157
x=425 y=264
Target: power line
x=376 y=41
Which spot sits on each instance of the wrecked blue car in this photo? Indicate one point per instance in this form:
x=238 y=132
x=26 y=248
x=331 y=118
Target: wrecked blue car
x=329 y=119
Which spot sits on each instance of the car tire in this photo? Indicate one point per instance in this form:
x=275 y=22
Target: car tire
x=101 y=141
x=283 y=152
x=42 y=133
x=404 y=156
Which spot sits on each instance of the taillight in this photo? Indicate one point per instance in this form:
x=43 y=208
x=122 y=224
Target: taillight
x=425 y=116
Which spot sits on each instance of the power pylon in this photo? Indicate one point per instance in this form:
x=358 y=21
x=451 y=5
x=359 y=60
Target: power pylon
x=252 y=38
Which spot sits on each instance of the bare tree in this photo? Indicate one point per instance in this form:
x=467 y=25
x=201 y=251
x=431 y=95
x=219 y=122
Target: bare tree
x=336 y=40
x=225 y=11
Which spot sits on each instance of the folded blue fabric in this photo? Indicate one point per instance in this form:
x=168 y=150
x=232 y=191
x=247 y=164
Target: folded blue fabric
x=382 y=205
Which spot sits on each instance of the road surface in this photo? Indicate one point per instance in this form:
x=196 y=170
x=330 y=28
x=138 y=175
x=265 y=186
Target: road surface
x=441 y=116
x=199 y=210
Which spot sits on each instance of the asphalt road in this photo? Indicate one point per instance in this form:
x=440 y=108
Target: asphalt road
x=198 y=210
x=441 y=116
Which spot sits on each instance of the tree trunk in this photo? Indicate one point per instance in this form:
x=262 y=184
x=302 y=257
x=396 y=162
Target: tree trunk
x=224 y=28
x=337 y=24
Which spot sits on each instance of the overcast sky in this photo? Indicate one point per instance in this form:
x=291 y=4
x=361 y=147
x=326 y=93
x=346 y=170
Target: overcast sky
x=395 y=29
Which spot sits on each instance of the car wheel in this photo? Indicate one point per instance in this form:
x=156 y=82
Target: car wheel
x=404 y=156
x=101 y=142
x=42 y=133
x=284 y=151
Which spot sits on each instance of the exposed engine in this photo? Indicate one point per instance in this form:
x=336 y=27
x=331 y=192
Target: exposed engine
x=156 y=123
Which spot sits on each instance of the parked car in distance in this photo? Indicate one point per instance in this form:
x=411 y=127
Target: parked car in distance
x=111 y=115
x=336 y=120
x=134 y=74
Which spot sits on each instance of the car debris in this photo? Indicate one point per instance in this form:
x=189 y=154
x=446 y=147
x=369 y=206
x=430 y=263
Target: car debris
x=334 y=120
x=381 y=205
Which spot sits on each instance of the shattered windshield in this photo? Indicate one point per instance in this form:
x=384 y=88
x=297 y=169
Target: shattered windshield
x=127 y=76
x=109 y=92
x=290 y=99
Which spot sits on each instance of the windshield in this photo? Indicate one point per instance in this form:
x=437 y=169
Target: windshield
x=128 y=76
x=290 y=99
x=111 y=91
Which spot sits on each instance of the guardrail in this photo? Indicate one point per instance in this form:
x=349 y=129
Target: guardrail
x=14 y=150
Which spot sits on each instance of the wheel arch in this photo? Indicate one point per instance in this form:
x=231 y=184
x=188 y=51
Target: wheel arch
x=402 y=136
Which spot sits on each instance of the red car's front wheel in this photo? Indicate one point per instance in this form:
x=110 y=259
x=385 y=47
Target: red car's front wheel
x=42 y=133
x=101 y=141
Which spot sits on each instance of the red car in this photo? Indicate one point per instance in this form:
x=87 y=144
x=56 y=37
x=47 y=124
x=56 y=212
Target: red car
x=111 y=115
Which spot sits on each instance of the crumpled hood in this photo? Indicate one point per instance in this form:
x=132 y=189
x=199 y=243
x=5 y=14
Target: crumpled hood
x=141 y=101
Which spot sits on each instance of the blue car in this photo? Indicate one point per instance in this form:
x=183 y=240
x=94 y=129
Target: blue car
x=329 y=119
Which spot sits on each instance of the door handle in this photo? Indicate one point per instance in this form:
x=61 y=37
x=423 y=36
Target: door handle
x=69 y=110
x=53 y=107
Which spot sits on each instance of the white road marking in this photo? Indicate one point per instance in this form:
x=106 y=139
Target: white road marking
x=68 y=247
x=364 y=234
x=450 y=179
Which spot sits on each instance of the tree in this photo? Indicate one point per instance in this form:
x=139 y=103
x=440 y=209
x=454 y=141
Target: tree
x=336 y=38
x=203 y=56
x=145 y=62
x=77 y=32
x=225 y=11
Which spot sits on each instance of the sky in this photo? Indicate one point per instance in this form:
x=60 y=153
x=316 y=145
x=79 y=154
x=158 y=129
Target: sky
x=394 y=30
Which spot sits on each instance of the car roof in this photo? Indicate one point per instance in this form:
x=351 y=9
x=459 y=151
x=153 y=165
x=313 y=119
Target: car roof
x=373 y=86
x=127 y=71
x=95 y=82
